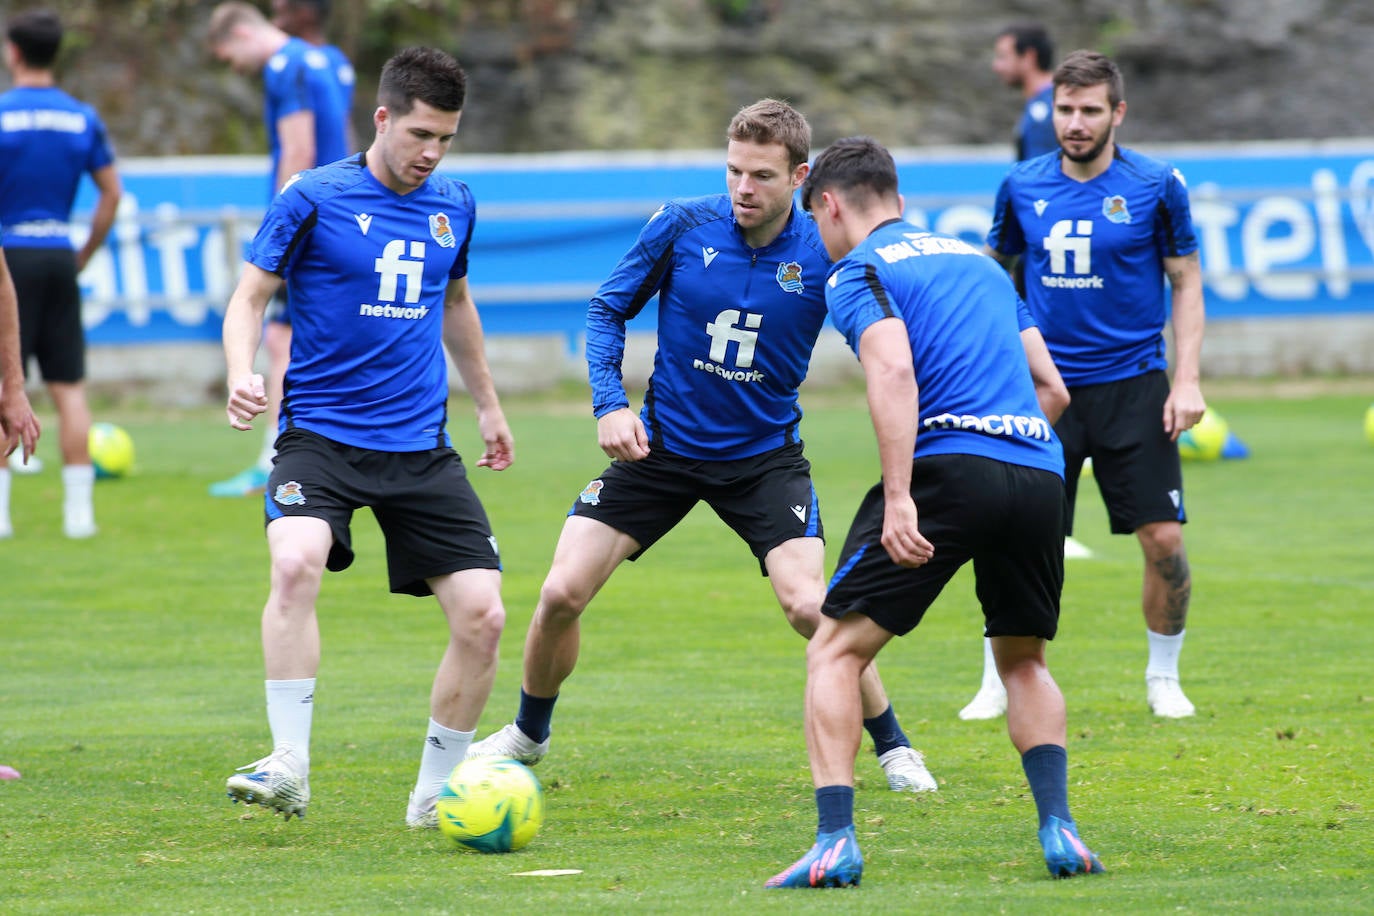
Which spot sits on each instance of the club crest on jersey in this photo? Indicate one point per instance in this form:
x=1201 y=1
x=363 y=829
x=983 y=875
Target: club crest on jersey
x=1114 y=208
x=289 y=494
x=790 y=277
x=440 y=229
x=591 y=495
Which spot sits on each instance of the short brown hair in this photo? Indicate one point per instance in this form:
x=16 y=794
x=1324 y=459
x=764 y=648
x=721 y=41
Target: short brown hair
x=860 y=168
x=773 y=121
x=427 y=74
x=1083 y=69
x=37 y=34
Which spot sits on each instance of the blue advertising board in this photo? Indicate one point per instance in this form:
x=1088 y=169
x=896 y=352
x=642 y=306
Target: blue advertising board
x=1284 y=229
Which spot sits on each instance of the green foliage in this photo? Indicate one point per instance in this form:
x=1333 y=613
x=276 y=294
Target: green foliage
x=678 y=782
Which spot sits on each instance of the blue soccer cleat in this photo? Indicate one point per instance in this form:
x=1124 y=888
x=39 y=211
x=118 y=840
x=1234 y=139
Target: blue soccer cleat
x=1065 y=854
x=244 y=483
x=835 y=861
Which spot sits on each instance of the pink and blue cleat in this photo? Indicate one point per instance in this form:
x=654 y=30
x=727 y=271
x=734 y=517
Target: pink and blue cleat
x=1065 y=854
x=835 y=861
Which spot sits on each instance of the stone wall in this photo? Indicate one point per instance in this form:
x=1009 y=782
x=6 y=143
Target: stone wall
x=667 y=74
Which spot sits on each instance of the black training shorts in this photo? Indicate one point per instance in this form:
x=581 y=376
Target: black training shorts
x=1120 y=425
x=767 y=499
x=433 y=522
x=1006 y=518
x=49 y=312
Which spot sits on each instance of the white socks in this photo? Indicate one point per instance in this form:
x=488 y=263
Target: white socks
x=445 y=748
x=6 y=529
x=991 y=679
x=1164 y=652
x=78 y=508
x=290 y=709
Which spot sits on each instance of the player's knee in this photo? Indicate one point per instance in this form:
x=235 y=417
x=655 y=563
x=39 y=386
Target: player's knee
x=802 y=609
x=563 y=597
x=295 y=570
x=481 y=625
x=1161 y=539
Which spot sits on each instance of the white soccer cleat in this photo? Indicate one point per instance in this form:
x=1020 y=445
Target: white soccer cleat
x=1166 y=698
x=987 y=703
x=79 y=525
x=423 y=815
x=277 y=781
x=510 y=742
x=1075 y=549
x=906 y=771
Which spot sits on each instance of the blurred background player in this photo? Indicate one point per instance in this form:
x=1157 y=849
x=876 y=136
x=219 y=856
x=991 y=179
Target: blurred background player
x=941 y=336
x=1023 y=59
x=308 y=20
x=364 y=417
x=308 y=93
x=1099 y=228
x=18 y=426
x=740 y=306
x=48 y=140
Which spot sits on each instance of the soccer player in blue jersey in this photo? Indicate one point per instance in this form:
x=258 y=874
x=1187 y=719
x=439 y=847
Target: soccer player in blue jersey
x=305 y=19
x=738 y=279
x=962 y=393
x=1099 y=227
x=1023 y=58
x=19 y=428
x=374 y=252
x=48 y=141
x=308 y=91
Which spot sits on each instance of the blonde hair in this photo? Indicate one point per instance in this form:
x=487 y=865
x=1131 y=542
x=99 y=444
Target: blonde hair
x=229 y=16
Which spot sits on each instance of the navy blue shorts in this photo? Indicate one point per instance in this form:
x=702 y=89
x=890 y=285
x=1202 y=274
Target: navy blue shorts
x=433 y=522
x=766 y=499
x=1006 y=518
x=1120 y=426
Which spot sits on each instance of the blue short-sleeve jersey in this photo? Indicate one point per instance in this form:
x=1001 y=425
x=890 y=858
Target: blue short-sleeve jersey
x=962 y=317
x=1035 y=130
x=48 y=140
x=366 y=272
x=736 y=327
x=1094 y=255
x=302 y=77
x=344 y=76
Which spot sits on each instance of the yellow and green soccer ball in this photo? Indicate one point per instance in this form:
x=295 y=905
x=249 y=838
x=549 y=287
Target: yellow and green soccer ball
x=491 y=804
x=1369 y=424
x=1206 y=440
x=112 y=450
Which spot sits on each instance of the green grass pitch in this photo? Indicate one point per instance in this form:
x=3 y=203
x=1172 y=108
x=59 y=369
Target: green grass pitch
x=131 y=686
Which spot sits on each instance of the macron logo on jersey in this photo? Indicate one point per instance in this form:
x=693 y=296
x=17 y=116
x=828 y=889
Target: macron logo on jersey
x=1007 y=425
x=1040 y=206
x=1070 y=239
x=364 y=221
x=708 y=255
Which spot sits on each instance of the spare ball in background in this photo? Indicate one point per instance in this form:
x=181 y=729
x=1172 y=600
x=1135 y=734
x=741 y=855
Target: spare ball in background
x=112 y=450
x=1205 y=441
x=1369 y=424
